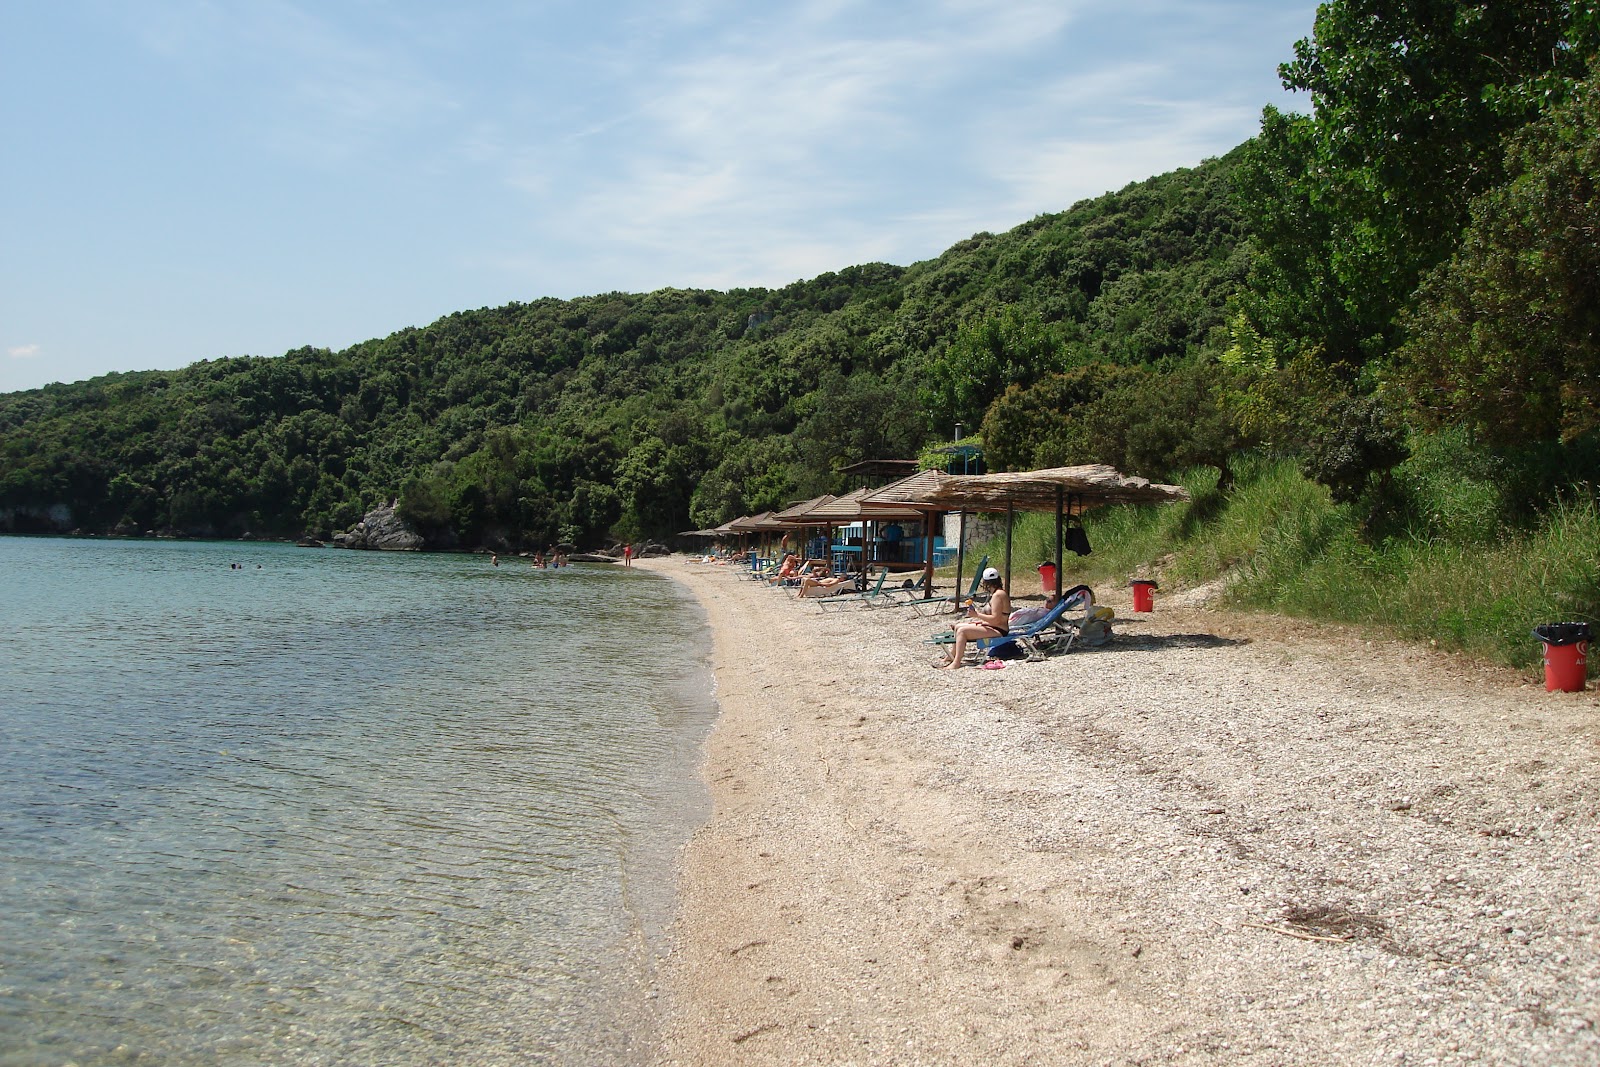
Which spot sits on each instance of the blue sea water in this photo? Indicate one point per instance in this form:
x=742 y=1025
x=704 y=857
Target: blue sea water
x=333 y=807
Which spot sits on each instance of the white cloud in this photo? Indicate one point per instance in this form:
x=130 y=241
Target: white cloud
x=23 y=351
x=749 y=143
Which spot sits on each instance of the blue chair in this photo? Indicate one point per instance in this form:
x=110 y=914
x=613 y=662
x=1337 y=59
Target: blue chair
x=938 y=605
x=1033 y=637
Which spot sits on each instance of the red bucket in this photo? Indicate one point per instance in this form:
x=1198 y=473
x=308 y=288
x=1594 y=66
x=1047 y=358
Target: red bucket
x=1142 y=600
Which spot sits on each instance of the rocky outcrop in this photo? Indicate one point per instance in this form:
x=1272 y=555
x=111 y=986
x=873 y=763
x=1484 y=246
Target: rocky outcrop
x=382 y=528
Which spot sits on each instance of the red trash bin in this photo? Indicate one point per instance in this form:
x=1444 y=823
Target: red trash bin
x=1566 y=651
x=1047 y=577
x=1142 y=600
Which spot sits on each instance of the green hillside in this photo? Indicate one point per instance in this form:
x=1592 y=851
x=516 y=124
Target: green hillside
x=629 y=414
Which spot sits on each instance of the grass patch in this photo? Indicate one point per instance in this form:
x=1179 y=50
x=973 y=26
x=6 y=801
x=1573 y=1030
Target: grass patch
x=1294 y=552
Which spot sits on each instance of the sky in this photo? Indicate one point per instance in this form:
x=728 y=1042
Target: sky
x=191 y=179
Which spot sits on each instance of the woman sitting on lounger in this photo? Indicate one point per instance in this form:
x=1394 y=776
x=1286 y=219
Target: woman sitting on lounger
x=993 y=620
x=786 y=570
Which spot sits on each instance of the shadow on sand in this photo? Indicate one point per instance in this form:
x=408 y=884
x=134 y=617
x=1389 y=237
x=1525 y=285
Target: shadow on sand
x=1162 y=642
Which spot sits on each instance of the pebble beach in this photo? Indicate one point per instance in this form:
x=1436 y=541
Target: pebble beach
x=1217 y=839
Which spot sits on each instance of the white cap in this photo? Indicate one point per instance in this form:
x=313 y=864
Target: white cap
x=990 y=574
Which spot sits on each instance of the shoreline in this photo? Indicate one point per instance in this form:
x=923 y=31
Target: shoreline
x=1220 y=839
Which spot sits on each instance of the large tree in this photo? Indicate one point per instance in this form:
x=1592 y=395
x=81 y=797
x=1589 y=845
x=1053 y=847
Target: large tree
x=1506 y=336
x=1411 y=101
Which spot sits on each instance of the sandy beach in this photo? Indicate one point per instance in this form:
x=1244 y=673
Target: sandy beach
x=1218 y=839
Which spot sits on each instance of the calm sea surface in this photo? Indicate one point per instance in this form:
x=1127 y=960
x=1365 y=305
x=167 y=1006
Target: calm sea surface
x=337 y=807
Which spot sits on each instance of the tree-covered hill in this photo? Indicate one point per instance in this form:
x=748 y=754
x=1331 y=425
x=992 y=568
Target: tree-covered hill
x=628 y=414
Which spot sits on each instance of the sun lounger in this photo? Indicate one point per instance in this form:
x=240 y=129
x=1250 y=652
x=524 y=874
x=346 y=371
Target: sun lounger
x=1035 y=637
x=939 y=605
x=862 y=599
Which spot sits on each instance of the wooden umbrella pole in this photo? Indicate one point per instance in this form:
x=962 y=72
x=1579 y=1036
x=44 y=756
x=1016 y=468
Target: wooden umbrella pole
x=961 y=555
x=1060 y=538
x=1011 y=515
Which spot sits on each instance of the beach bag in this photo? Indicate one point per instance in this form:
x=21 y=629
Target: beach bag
x=1096 y=629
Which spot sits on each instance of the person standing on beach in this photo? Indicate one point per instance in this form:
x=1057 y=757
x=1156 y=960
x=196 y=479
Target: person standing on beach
x=627 y=554
x=994 y=620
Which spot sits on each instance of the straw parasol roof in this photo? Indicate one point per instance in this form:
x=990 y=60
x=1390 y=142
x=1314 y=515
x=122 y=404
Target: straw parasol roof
x=853 y=507
x=879 y=468
x=799 y=515
x=768 y=521
x=1081 y=488
x=749 y=523
x=914 y=491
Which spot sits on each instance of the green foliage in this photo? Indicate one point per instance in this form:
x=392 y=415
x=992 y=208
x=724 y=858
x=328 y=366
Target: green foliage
x=1360 y=439
x=752 y=477
x=962 y=456
x=1410 y=105
x=1506 y=337
x=625 y=414
x=1151 y=422
x=1456 y=486
x=1354 y=204
x=991 y=352
x=1045 y=424
x=1451 y=488
x=1157 y=422
x=424 y=502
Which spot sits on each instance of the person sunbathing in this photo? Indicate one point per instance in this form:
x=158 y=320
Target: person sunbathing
x=1079 y=596
x=991 y=620
x=818 y=583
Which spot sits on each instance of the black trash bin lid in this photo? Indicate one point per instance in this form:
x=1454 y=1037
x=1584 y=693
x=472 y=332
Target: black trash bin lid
x=1562 y=633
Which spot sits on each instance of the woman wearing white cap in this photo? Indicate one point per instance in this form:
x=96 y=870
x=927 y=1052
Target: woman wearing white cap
x=992 y=621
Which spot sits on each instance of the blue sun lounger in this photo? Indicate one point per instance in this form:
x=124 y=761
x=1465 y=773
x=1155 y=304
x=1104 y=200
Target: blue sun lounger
x=1033 y=637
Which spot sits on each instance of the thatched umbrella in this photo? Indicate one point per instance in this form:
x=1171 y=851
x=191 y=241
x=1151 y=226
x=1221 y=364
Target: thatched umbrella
x=1080 y=488
x=914 y=493
x=800 y=516
x=745 y=525
x=1067 y=491
x=858 y=506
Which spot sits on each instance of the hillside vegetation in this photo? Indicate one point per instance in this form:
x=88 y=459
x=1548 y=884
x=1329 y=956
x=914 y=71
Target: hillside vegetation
x=1390 y=302
x=631 y=414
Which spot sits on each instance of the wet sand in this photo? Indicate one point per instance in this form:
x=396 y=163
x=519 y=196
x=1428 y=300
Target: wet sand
x=1219 y=839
